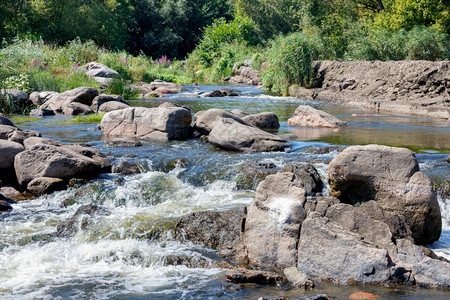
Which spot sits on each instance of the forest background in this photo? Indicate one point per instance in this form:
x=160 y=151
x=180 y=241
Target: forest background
x=43 y=42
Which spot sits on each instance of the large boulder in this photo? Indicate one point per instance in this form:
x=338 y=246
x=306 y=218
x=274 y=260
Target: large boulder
x=45 y=185
x=273 y=222
x=32 y=141
x=51 y=161
x=264 y=120
x=83 y=95
x=9 y=150
x=38 y=98
x=103 y=98
x=205 y=120
x=218 y=230
x=327 y=251
x=95 y=69
x=230 y=134
x=161 y=123
x=391 y=177
x=20 y=135
x=308 y=116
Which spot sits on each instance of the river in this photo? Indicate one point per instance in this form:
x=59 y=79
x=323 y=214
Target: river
x=126 y=251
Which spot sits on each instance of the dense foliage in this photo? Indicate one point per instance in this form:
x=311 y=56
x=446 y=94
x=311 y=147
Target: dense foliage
x=45 y=41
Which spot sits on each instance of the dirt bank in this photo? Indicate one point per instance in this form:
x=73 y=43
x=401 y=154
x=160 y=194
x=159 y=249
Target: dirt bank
x=406 y=87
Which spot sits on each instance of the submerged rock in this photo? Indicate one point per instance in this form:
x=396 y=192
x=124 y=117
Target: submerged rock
x=80 y=220
x=308 y=116
x=252 y=276
x=126 y=168
x=218 y=230
x=391 y=177
x=162 y=123
x=221 y=93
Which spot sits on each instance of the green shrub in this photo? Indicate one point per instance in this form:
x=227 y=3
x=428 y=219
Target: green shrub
x=290 y=62
x=9 y=106
x=427 y=44
x=122 y=87
x=82 y=52
x=42 y=80
x=19 y=82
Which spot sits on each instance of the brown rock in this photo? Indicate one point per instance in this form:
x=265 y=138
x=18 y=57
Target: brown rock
x=265 y=120
x=45 y=185
x=251 y=276
x=308 y=116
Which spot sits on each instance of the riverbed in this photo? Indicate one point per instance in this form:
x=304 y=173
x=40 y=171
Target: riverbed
x=127 y=251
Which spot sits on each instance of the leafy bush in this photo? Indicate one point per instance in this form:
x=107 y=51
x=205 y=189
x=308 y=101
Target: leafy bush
x=419 y=43
x=19 y=82
x=122 y=87
x=82 y=52
x=290 y=62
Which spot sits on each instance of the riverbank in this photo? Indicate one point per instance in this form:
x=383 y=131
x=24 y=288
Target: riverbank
x=420 y=88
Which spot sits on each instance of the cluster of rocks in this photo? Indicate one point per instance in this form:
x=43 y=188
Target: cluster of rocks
x=39 y=165
x=82 y=100
x=244 y=74
x=234 y=130
x=157 y=88
x=370 y=230
x=406 y=87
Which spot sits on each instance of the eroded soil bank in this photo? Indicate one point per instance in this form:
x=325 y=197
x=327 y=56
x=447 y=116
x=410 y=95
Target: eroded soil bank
x=405 y=87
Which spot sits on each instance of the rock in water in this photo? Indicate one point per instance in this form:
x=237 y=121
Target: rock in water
x=264 y=120
x=305 y=115
x=391 y=177
x=273 y=222
x=51 y=161
x=9 y=150
x=232 y=135
x=161 y=123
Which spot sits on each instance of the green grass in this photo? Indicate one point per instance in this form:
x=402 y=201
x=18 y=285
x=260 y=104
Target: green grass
x=83 y=119
x=17 y=120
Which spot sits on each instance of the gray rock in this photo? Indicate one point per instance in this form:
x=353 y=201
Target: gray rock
x=5 y=121
x=51 y=161
x=229 y=134
x=327 y=251
x=103 y=98
x=95 y=69
x=251 y=173
x=111 y=106
x=308 y=174
x=297 y=278
x=265 y=120
x=221 y=93
x=32 y=141
x=219 y=230
x=126 y=168
x=308 y=116
x=79 y=221
x=239 y=113
x=391 y=177
x=6 y=131
x=9 y=150
x=251 y=276
x=39 y=98
x=45 y=185
x=75 y=108
x=17 y=95
x=205 y=120
x=20 y=135
x=448 y=159
x=162 y=123
x=41 y=111
x=91 y=153
x=397 y=223
x=273 y=222
x=59 y=102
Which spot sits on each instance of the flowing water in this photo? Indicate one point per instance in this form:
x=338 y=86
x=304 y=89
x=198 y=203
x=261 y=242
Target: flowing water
x=127 y=251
